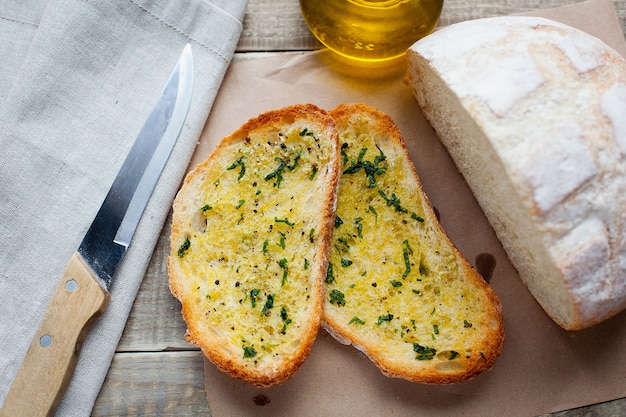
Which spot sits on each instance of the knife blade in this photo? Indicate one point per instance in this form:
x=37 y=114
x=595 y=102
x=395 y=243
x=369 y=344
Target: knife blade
x=82 y=294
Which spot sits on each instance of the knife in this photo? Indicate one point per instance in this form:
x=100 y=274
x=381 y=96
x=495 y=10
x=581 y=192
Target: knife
x=83 y=291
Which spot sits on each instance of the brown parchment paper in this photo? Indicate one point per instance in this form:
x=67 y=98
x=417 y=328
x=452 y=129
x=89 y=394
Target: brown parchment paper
x=542 y=368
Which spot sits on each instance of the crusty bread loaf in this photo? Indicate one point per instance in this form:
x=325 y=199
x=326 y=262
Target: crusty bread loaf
x=397 y=288
x=249 y=245
x=533 y=113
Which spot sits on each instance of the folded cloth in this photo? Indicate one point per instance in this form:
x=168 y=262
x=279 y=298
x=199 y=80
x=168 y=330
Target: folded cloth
x=82 y=78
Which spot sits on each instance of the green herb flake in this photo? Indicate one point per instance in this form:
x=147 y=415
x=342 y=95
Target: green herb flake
x=359 y=227
x=345 y=262
x=182 y=250
x=238 y=163
x=312 y=235
x=283 y=264
x=338 y=221
x=240 y=203
x=424 y=353
x=393 y=201
x=453 y=355
x=314 y=170
x=396 y=284
x=356 y=320
x=286 y=320
x=330 y=276
x=373 y=211
x=384 y=318
x=406 y=251
x=467 y=324
x=436 y=328
x=281 y=241
x=269 y=304
x=307 y=132
x=306 y=264
x=337 y=297
x=265 y=245
x=277 y=173
x=253 y=296
x=418 y=218
x=206 y=208
x=248 y=352
x=372 y=169
x=285 y=220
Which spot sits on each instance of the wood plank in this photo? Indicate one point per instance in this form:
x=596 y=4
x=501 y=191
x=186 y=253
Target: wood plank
x=155 y=322
x=154 y=384
x=278 y=25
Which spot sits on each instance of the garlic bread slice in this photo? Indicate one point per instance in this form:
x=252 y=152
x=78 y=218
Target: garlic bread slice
x=396 y=286
x=249 y=244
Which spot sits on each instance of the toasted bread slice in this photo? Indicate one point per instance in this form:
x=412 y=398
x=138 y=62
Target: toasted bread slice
x=250 y=239
x=397 y=288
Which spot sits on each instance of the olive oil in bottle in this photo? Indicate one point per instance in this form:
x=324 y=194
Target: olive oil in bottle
x=370 y=30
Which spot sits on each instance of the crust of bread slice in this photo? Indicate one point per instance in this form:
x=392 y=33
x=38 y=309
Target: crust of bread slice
x=250 y=240
x=397 y=288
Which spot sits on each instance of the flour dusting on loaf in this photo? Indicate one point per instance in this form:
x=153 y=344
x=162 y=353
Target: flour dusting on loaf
x=533 y=112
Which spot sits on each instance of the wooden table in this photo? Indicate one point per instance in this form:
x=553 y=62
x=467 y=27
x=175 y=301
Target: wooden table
x=155 y=372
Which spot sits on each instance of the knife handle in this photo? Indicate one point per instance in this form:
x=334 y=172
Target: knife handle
x=51 y=358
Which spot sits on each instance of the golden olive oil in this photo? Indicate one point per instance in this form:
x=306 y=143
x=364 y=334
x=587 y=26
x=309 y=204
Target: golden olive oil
x=370 y=30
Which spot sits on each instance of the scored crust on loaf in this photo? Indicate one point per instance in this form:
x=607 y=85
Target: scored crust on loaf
x=533 y=114
x=397 y=288
x=249 y=244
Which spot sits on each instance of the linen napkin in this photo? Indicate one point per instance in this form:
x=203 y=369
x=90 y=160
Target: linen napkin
x=78 y=80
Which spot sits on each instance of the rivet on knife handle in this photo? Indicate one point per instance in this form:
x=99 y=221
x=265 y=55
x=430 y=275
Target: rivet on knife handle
x=77 y=301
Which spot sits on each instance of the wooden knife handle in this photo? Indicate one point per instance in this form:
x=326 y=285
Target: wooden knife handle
x=51 y=358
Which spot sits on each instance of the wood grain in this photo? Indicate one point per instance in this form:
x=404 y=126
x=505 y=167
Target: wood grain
x=155 y=371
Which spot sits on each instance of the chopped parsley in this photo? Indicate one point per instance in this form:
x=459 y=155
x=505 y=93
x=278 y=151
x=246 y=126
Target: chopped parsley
x=406 y=251
x=283 y=264
x=337 y=297
x=372 y=169
x=330 y=276
x=182 y=250
x=338 y=221
x=285 y=220
x=253 y=296
x=393 y=201
x=424 y=353
x=282 y=165
x=418 y=218
x=359 y=226
x=238 y=163
x=248 y=352
x=357 y=320
x=384 y=318
x=269 y=304
x=286 y=320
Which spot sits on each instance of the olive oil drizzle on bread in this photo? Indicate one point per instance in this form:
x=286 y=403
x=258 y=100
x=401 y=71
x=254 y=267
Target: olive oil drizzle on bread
x=250 y=240
x=396 y=287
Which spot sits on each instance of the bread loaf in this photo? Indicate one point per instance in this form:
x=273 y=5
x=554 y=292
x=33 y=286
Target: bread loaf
x=397 y=288
x=533 y=113
x=250 y=239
